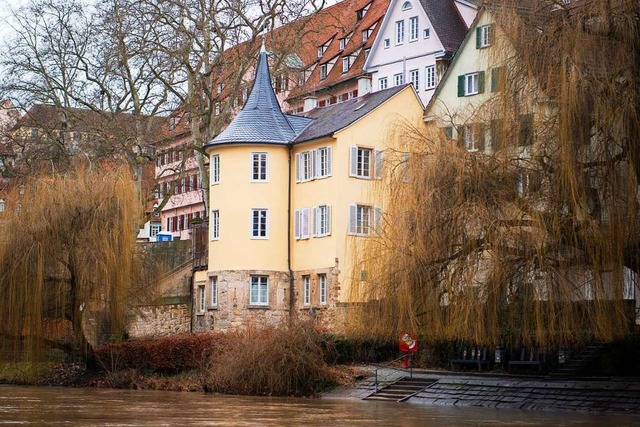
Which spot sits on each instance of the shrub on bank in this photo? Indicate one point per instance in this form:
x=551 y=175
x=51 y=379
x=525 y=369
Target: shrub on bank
x=165 y=355
x=287 y=360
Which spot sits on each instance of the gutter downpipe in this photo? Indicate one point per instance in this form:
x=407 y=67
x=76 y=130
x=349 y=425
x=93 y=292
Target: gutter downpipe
x=291 y=295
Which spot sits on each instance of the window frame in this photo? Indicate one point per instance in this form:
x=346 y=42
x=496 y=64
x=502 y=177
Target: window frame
x=473 y=79
x=214 y=224
x=201 y=299
x=306 y=290
x=414 y=29
x=484 y=36
x=213 y=284
x=400 y=32
x=259 y=302
x=380 y=85
x=322 y=221
x=259 y=225
x=323 y=71
x=345 y=64
x=414 y=78
x=386 y=43
x=322 y=285
x=260 y=171
x=398 y=79
x=215 y=169
x=430 y=77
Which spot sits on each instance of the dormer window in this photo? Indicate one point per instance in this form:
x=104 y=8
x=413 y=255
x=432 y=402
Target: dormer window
x=365 y=36
x=320 y=51
x=406 y=6
x=220 y=87
x=323 y=71
x=345 y=64
x=361 y=12
x=343 y=43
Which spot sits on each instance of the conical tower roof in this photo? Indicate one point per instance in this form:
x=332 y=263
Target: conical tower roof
x=261 y=120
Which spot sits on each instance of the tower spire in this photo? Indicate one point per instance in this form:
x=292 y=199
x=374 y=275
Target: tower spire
x=263 y=49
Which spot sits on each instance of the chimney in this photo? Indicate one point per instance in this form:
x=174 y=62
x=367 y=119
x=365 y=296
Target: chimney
x=364 y=85
x=310 y=103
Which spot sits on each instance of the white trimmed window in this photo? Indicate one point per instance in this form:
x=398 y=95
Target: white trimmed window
x=306 y=288
x=215 y=169
x=322 y=280
x=322 y=221
x=259 y=292
x=414 y=79
x=214 y=223
x=399 y=32
x=484 y=36
x=363 y=219
x=313 y=164
x=406 y=6
x=430 y=76
x=154 y=228
x=471 y=83
x=426 y=33
x=365 y=163
x=382 y=83
x=214 y=291
x=343 y=43
x=413 y=29
x=259 y=224
x=201 y=299
x=345 y=64
x=386 y=43
x=3 y=205
x=398 y=79
x=301 y=223
x=259 y=166
x=471 y=138
x=323 y=71
x=322 y=162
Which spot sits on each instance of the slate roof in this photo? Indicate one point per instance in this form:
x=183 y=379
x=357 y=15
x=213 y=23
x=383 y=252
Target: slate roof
x=261 y=120
x=447 y=22
x=329 y=120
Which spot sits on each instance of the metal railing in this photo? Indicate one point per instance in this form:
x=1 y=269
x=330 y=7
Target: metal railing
x=387 y=365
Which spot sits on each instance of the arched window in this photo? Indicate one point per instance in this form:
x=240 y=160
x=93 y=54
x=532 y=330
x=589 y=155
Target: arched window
x=406 y=5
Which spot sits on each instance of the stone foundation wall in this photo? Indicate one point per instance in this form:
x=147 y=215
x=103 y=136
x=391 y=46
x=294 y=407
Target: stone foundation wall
x=323 y=313
x=233 y=310
x=160 y=321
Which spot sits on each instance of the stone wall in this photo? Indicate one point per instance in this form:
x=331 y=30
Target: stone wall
x=160 y=321
x=233 y=310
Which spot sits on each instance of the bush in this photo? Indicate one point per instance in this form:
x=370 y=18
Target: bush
x=287 y=360
x=342 y=350
x=165 y=355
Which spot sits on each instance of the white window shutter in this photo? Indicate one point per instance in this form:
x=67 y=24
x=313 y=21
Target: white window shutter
x=377 y=219
x=296 y=224
x=315 y=162
x=378 y=164
x=304 y=224
x=353 y=161
x=329 y=162
x=353 y=213
x=328 y=219
x=298 y=167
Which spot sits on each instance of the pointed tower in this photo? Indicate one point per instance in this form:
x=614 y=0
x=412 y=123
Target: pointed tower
x=248 y=277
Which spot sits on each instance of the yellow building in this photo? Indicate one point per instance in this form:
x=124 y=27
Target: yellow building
x=290 y=198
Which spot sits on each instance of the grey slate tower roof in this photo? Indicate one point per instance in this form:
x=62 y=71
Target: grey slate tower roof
x=261 y=120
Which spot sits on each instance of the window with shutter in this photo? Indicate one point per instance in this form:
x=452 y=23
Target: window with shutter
x=526 y=129
x=361 y=162
x=496 y=133
x=352 y=218
x=296 y=224
x=304 y=224
x=322 y=221
x=498 y=78
x=360 y=220
x=377 y=219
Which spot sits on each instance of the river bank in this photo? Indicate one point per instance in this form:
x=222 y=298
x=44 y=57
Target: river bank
x=587 y=395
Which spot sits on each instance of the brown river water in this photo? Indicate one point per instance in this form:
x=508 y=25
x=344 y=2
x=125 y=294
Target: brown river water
x=48 y=406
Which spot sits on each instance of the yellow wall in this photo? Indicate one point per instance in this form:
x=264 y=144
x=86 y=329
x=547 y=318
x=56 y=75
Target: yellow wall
x=377 y=130
x=235 y=196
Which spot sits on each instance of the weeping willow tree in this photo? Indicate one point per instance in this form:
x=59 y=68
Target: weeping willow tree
x=68 y=263
x=533 y=237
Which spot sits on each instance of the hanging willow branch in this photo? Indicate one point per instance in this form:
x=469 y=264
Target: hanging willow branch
x=536 y=240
